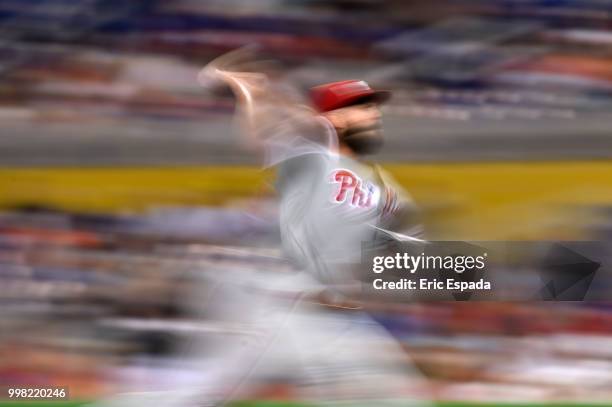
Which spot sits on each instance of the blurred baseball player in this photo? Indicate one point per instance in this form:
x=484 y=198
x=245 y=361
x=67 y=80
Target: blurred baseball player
x=330 y=201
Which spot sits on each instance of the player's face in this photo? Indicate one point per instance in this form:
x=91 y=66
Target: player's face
x=360 y=127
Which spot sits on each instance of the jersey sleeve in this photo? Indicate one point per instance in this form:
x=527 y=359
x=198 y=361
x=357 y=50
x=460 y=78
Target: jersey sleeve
x=297 y=179
x=399 y=211
x=298 y=135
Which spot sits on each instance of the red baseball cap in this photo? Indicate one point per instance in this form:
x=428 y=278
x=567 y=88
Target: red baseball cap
x=335 y=95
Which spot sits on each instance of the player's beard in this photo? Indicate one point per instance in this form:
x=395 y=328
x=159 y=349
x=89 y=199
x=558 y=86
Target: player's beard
x=364 y=140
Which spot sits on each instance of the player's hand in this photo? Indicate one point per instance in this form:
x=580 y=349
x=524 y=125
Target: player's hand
x=241 y=69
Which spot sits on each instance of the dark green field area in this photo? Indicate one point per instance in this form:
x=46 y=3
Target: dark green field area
x=294 y=404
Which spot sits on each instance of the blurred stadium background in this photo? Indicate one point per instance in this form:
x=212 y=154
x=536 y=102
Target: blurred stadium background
x=121 y=179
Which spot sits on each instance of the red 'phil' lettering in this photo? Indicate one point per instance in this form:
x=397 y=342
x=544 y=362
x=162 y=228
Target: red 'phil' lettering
x=361 y=195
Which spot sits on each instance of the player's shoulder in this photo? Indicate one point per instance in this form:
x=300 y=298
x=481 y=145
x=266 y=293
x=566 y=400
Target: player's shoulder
x=307 y=164
x=294 y=140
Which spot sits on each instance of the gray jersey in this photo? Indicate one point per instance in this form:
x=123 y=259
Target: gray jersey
x=330 y=204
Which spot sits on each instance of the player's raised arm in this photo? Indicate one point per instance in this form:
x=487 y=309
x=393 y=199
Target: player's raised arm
x=274 y=117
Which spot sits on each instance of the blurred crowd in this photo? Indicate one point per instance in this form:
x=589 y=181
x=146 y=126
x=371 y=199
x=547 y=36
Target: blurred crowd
x=484 y=79
x=97 y=303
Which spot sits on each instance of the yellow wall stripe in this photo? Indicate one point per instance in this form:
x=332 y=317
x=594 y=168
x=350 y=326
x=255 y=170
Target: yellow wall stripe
x=479 y=197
